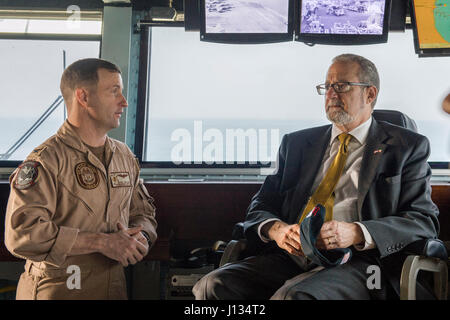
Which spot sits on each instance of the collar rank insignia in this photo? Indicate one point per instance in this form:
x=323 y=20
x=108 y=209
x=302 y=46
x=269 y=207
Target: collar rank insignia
x=87 y=175
x=27 y=175
x=120 y=179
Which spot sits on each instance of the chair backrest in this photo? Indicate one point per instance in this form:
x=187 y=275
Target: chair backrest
x=395 y=117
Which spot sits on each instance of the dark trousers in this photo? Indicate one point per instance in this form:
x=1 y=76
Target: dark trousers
x=277 y=276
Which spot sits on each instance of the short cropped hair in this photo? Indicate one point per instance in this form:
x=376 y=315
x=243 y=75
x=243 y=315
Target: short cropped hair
x=368 y=72
x=83 y=73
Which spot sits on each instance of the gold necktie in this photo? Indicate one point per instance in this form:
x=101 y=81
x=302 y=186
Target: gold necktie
x=324 y=194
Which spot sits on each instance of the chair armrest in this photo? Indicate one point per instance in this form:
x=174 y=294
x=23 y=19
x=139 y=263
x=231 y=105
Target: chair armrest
x=427 y=255
x=233 y=251
x=238 y=231
x=411 y=267
x=434 y=248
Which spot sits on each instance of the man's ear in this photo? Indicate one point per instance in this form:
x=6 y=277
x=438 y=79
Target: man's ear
x=81 y=95
x=372 y=93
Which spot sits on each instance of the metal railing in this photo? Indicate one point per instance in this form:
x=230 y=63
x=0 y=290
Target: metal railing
x=37 y=124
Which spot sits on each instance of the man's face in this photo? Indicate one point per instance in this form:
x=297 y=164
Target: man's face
x=106 y=102
x=349 y=109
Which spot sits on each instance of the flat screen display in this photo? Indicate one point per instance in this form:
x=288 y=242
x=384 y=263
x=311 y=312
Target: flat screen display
x=342 y=16
x=431 y=24
x=344 y=21
x=247 y=16
x=246 y=21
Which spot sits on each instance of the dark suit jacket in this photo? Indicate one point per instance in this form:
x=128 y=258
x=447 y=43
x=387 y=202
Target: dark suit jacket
x=394 y=197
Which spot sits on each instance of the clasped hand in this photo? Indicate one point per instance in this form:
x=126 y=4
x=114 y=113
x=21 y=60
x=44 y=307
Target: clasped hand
x=128 y=246
x=333 y=234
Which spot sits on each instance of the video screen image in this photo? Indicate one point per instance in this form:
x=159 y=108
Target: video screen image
x=433 y=23
x=246 y=16
x=342 y=16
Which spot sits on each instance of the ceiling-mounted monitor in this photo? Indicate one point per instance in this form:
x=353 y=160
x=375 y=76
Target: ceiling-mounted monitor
x=397 y=21
x=430 y=20
x=246 y=21
x=342 y=22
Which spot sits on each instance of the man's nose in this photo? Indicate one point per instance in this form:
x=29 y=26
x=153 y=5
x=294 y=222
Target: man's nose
x=124 y=102
x=331 y=93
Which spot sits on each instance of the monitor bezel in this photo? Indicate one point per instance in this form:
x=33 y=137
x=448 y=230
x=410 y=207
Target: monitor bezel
x=424 y=52
x=247 y=38
x=341 y=39
x=397 y=19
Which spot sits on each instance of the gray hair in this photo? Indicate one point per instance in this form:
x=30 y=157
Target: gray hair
x=368 y=72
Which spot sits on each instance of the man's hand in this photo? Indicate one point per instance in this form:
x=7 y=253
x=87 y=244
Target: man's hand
x=286 y=236
x=124 y=246
x=337 y=234
x=142 y=239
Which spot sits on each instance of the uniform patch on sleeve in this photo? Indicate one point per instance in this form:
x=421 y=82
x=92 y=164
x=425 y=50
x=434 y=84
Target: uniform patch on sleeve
x=27 y=175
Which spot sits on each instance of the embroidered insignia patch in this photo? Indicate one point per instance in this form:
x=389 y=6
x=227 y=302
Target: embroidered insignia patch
x=27 y=175
x=120 y=179
x=87 y=175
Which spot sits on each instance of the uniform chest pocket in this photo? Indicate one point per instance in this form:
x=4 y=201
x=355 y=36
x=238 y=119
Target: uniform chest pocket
x=77 y=198
x=121 y=197
x=122 y=200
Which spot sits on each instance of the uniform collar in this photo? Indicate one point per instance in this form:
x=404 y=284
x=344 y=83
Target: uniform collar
x=69 y=136
x=360 y=133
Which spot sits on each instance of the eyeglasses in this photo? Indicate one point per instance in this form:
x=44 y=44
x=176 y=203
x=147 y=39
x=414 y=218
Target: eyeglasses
x=339 y=87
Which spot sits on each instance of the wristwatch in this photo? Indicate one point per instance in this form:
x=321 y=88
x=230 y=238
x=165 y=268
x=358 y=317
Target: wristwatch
x=146 y=236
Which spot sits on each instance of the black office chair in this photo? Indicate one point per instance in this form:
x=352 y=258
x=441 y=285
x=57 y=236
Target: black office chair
x=427 y=255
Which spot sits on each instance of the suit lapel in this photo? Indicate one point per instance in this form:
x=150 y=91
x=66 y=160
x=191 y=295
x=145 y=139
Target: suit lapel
x=373 y=153
x=312 y=156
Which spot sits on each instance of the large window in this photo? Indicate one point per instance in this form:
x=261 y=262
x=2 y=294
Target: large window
x=29 y=86
x=32 y=108
x=220 y=103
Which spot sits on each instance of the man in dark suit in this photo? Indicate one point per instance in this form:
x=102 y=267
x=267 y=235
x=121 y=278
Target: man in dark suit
x=381 y=203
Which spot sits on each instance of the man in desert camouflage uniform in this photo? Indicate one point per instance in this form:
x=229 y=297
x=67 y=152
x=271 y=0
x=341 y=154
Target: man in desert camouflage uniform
x=77 y=202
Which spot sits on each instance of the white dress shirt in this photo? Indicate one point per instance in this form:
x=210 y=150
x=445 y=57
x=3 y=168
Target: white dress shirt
x=346 y=191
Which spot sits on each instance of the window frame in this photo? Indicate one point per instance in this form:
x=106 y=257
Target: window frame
x=141 y=127
x=85 y=15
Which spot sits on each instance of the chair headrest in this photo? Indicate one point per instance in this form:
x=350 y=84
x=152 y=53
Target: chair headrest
x=395 y=117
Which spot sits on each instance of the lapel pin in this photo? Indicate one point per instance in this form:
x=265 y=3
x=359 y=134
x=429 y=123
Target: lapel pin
x=377 y=151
